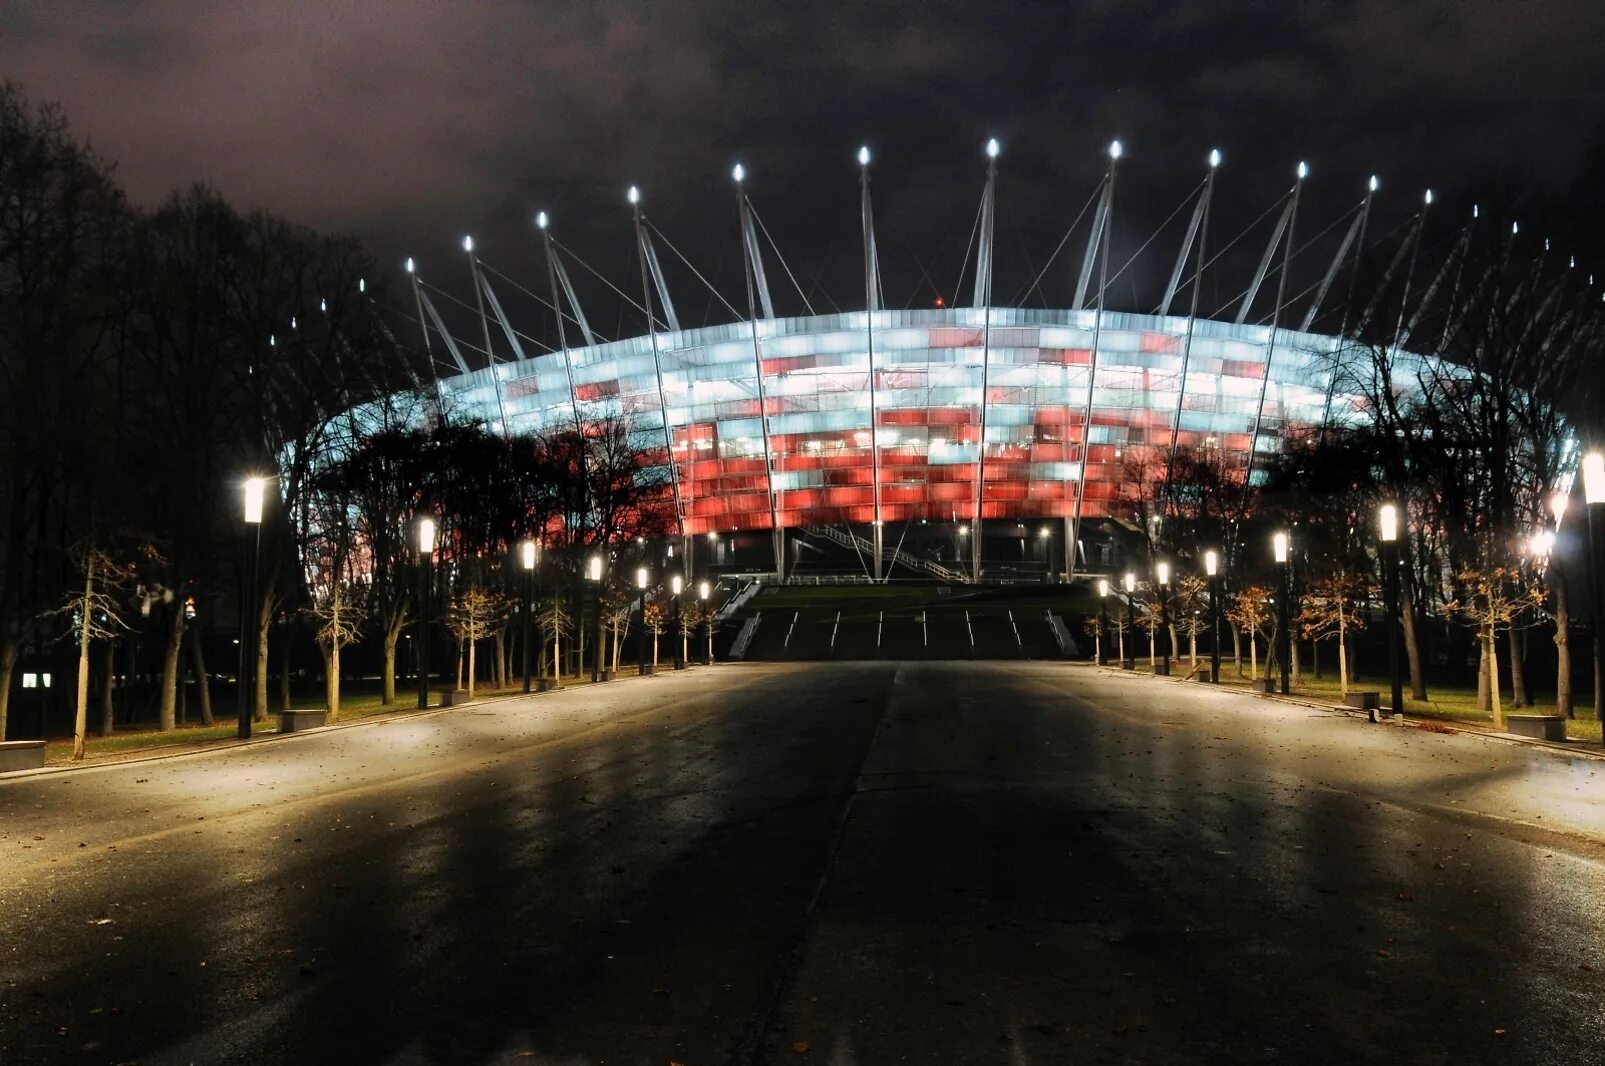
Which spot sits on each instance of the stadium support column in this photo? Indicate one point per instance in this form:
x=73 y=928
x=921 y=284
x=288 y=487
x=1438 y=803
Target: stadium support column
x=634 y=196
x=423 y=327
x=1199 y=227
x=871 y=305
x=484 y=323
x=983 y=300
x=543 y=223
x=758 y=291
x=1072 y=538
x=1287 y=225
x=1356 y=233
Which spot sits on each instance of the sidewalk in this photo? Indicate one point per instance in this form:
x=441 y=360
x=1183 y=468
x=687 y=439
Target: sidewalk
x=1428 y=723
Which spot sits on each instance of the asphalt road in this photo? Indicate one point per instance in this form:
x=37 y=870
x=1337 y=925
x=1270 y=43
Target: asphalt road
x=850 y=864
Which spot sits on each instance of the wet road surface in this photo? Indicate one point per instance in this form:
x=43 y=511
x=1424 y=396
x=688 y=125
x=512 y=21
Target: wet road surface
x=844 y=863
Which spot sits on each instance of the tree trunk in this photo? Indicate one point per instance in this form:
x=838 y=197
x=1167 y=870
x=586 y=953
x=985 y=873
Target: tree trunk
x=1492 y=651
x=1237 y=648
x=167 y=708
x=285 y=644
x=259 y=683
x=655 y=642
x=1482 y=674
x=108 y=697
x=1192 y=648
x=80 y=719
x=1563 y=650
x=387 y=675
x=203 y=690
x=1412 y=646
x=1343 y=655
x=1315 y=658
x=471 y=645
x=1120 y=635
x=1253 y=657
x=9 y=648
x=331 y=682
x=1519 y=696
x=1295 y=664
x=499 y=646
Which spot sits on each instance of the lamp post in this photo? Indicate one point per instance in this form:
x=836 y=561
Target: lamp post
x=707 y=620
x=676 y=586
x=1284 y=621
x=1594 y=497
x=1162 y=572
x=1388 y=520
x=529 y=553
x=255 y=490
x=593 y=572
x=1103 y=621
x=1212 y=570
x=426 y=563
x=642 y=576
x=1131 y=622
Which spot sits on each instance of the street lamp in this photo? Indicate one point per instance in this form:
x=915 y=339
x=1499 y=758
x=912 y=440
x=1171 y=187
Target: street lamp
x=1284 y=621
x=1103 y=621
x=255 y=491
x=528 y=553
x=707 y=620
x=1131 y=621
x=426 y=562
x=642 y=576
x=1212 y=570
x=676 y=586
x=1388 y=519
x=593 y=572
x=1162 y=572
x=1594 y=497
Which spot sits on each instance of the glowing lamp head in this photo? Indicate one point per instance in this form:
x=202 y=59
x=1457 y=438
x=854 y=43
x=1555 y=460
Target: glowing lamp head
x=1131 y=581
x=739 y=173
x=1103 y=587
x=1045 y=532
x=1388 y=519
x=863 y=155
x=426 y=535
x=703 y=590
x=1594 y=477
x=1375 y=183
x=255 y=490
x=1115 y=150
x=1279 y=547
x=1515 y=228
x=410 y=266
x=642 y=576
x=1214 y=158
x=1303 y=170
x=1211 y=563
x=593 y=568
x=676 y=584
x=634 y=195
x=323 y=305
x=362 y=284
x=1428 y=198
x=468 y=244
x=526 y=552
x=1162 y=571
x=993 y=148
x=541 y=220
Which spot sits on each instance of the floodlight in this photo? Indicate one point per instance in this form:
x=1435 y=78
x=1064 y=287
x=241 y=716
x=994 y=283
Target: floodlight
x=409 y=264
x=528 y=551
x=992 y=148
x=468 y=244
x=1375 y=183
x=1279 y=547
x=254 y=491
x=426 y=535
x=1388 y=516
x=1429 y=197
x=739 y=172
x=1214 y=157
x=541 y=220
x=1211 y=563
x=1115 y=150
x=634 y=195
x=863 y=156
x=1303 y=171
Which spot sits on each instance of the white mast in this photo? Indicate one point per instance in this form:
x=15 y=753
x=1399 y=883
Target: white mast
x=758 y=292
x=983 y=300
x=871 y=305
x=634 y=196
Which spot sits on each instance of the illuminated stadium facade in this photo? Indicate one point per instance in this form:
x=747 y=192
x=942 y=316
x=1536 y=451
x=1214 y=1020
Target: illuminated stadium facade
x=864 y=421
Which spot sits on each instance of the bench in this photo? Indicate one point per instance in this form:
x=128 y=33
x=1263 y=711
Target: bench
x=1365 y=701
x=21 y=755
x=453 y=697
x=1537 y=726
x=545 y=684
x=301 y=721
x=1199 y=673
x=1268 y=685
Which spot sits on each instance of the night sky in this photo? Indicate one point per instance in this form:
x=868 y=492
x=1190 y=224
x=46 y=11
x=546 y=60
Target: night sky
x=410 y=123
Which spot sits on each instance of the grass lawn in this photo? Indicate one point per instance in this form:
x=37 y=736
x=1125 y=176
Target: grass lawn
x=1445 y=702
x=354 y=706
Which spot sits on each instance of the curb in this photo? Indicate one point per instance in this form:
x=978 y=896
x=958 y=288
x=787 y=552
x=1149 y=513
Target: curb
x=1338 y=710
x=269 y=737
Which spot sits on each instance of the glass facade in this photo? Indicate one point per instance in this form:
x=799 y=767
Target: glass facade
x=926 y=440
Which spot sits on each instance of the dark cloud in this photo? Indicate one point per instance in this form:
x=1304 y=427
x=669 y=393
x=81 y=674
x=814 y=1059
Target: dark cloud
x=410 y=122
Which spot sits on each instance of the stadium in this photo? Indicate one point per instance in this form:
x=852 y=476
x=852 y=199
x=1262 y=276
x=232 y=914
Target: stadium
x=895 y=434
